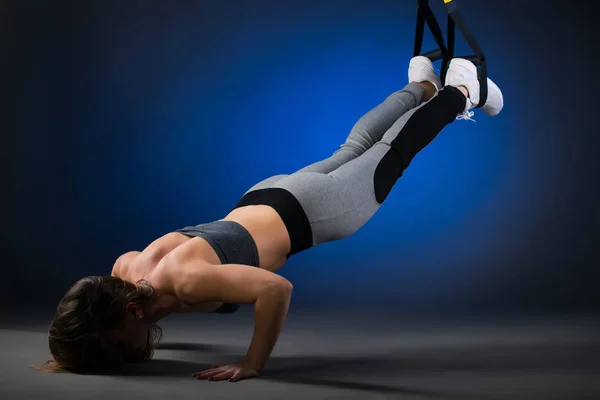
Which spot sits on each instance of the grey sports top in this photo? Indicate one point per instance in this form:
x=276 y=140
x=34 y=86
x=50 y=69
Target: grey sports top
x=232 y=243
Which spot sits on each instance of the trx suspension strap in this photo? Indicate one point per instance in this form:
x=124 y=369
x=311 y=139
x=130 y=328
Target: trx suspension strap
x=425 y=15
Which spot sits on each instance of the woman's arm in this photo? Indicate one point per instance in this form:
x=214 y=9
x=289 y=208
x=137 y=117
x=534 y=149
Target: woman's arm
x=270 y=311
x=231 y=283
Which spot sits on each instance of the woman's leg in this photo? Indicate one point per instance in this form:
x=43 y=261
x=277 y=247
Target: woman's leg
x=338 y=203
x=367 y=131
x=320 y=207
x=371 y=127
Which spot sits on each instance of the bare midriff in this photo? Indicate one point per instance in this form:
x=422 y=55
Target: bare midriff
x=268 y=231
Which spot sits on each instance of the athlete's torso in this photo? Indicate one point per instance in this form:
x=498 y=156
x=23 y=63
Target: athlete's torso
x=262 y=222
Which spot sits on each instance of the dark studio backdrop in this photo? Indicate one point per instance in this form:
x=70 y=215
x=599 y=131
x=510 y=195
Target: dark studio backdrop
x=124 y=120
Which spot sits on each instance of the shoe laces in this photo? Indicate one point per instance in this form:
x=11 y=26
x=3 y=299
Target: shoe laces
x=466 y=116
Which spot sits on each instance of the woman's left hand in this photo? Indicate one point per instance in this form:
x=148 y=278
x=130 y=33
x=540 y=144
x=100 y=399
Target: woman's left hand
x=232 y=372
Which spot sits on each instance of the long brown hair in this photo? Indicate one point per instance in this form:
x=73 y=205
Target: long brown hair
x=92 y=305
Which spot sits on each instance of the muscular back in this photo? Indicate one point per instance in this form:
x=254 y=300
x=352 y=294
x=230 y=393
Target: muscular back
x=135 y=266
x=263 y=223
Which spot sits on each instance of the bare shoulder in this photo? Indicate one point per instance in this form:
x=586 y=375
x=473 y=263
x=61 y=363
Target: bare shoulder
x=123 y=262
x=149 y=257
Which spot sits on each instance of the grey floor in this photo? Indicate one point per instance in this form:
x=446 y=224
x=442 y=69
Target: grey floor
x=328 y=356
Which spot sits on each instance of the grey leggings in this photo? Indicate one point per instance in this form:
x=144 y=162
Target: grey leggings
x=340 y=194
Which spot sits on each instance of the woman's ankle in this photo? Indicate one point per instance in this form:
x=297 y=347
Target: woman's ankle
x=463 y=90
x=430 y=89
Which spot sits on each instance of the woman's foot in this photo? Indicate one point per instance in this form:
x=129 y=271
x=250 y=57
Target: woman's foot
x=420 y=70
x=462 y=74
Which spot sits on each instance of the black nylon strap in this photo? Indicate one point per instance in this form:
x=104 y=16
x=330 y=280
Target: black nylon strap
x=446 y=53
x=425 y=15
x=456 y=21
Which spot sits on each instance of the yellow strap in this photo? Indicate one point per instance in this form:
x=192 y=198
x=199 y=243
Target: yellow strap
x=447 y=1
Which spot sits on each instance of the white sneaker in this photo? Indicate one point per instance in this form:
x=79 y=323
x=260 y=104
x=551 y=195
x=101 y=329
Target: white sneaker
x=420 y=69
x=463 y=72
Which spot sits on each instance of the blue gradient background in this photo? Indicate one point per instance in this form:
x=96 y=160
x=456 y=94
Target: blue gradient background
x=125 y=120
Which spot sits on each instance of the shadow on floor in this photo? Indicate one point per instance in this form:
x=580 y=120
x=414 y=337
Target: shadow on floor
x=494 y=358
x=354 y=372
x=181 y=369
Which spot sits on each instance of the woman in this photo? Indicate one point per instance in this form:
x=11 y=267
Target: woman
x=104 y=321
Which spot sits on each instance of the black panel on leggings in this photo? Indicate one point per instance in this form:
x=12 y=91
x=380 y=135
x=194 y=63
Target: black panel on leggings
x=420 y=129
x=290 y=211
